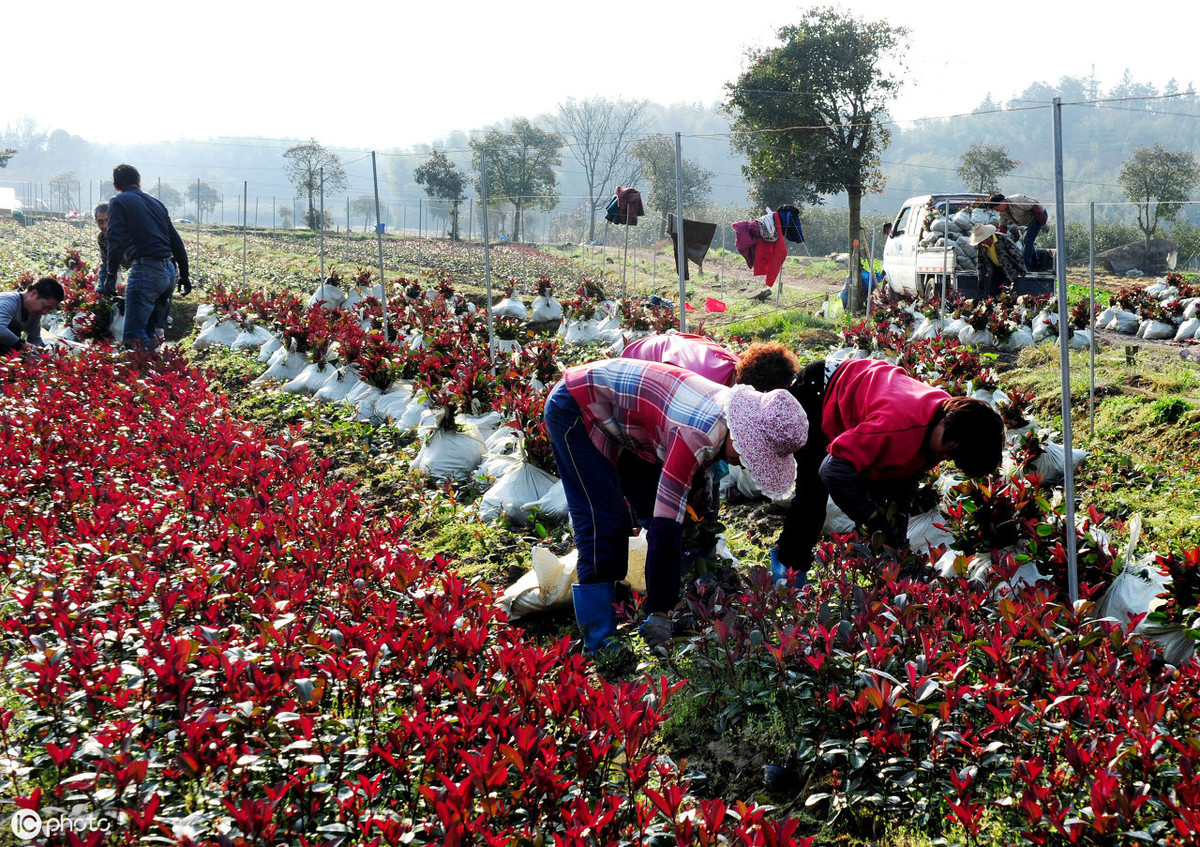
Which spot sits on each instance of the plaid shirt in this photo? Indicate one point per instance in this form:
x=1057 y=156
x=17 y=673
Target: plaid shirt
x=662 y=413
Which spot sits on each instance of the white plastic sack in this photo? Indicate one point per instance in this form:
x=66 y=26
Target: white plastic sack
x=978 y=568
x=1051 y=464
x=483 y=425
x=1191 y=308
x=1123 y=322
x=954 y=326
x=1155 y=330
x=393 y=403
x=336 y=388
x=546 y=585
x=327 y=297
x=1019 y=340
x=546 y=309
x=1188 y=329
x=510 y=308
x=309 y=380
x=413 y=412
x=267 y=353
x=553 y=504
x=923 y=535
x=251 y=339
x=286 y=367
x=220 y=334
x=1081 y=339
x=363 y=397
x=1045 y=328
x=449 y=454
x=1105 y=318
x=580 y=332
x=975 y=337
x=203 y=313
x=929 y=328
x=511 y=495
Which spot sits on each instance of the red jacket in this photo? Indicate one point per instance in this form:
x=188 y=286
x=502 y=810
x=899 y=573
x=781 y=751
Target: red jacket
x=877 y=417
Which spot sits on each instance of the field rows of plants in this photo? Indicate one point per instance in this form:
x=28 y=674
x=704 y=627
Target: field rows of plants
x=211 y=638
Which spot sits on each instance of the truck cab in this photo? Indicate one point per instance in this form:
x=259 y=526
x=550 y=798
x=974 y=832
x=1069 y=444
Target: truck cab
x=906 y=268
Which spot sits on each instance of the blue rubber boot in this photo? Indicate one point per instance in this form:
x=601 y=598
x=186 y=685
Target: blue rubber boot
x=779 y=571
x=595 y=613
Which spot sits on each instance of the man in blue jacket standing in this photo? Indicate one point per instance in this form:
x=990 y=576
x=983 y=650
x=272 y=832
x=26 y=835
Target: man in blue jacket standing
x=140 y=232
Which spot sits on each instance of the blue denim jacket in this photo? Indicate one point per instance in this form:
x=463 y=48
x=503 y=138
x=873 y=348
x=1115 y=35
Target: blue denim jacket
x=139 y=227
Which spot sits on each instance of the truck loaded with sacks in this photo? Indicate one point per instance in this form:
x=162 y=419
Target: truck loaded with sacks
x=930 y=238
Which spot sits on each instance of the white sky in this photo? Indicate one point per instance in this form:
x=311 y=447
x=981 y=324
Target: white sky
x=137 y=71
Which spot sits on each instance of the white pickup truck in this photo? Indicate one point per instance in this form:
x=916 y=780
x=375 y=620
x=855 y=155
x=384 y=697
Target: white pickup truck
x=917 y=253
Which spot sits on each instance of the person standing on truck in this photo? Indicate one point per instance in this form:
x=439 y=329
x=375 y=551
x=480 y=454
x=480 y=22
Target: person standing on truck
x=1021 y=210
x=999 y=261
x=874 y=432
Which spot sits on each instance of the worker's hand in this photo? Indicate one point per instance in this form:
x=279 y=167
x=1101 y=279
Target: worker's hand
x=185 y=286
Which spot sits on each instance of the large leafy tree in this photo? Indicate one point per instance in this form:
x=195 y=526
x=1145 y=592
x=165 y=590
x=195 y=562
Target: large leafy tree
x=1157 y=181
x=208 y=198
x=363 y=205
x=983 y=165
x=813 y=108
x=307 y=165
x=170 y=198
x=521 y=167
x=444 y=182
x=656 y=157
x=602 y=133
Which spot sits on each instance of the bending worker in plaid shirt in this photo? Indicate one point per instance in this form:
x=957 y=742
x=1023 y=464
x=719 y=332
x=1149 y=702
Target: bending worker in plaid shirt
x=668 y=416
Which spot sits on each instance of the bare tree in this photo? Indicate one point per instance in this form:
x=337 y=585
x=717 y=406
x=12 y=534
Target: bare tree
x=309 y=163
x=600 y=135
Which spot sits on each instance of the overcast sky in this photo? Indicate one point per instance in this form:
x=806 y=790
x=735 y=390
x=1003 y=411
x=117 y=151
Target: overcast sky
x=382 y=75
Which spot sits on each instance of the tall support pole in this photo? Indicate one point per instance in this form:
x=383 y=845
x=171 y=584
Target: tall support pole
x=379 y=242
x=1092 y=321
x=470 y=233
x=945 y=260
x=321 y=225
x=681 y=263
x=197 y=216
x=245 y=207
x=1064 y=348
x=487 y=256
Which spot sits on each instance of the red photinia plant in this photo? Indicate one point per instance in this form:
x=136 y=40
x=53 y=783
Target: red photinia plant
x=525 y=407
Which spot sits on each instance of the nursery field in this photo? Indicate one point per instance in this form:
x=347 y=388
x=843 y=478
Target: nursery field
x=274 y=586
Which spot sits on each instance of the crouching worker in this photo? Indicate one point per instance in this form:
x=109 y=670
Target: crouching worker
x=21 y=313
x=664 y=415
x=876 y=431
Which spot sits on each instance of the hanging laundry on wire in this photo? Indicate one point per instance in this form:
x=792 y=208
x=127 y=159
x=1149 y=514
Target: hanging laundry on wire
x=625 y=207
x=763 y=241
x=697 y=236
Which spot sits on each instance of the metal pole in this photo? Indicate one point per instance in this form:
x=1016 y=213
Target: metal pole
x=256 y=213
x=379 y=242
x=1092 y=322
x=681 y=262
x=1064 y=348
x=487 y=257
x=625 y=260
x=321 y=225
x=945 y=258
x=420 y=230
x=197 y=215
x=245 y=204
x=724 y=229
x=870 y=270
x=273 y=213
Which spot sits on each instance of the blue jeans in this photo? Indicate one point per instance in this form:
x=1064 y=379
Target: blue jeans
x=599 y=514
x=148 y=290
x=1031 y=234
